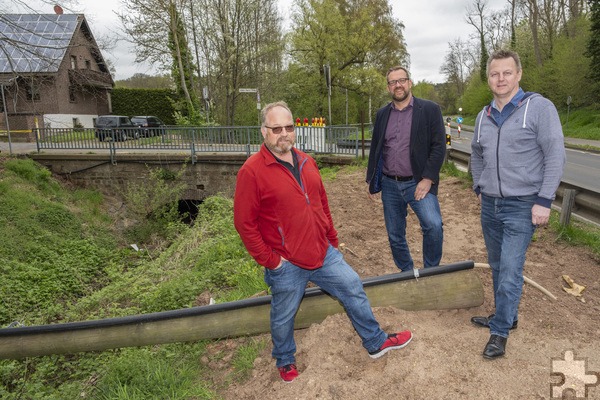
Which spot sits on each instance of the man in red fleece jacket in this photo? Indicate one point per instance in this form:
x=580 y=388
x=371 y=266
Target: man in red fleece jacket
x=282 y=215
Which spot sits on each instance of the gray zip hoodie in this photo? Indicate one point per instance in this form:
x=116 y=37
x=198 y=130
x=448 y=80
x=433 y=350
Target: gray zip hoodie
x=525 y=156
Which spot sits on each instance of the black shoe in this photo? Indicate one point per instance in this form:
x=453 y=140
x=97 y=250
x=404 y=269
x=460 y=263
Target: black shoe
x=484 y=322
x=495 y=347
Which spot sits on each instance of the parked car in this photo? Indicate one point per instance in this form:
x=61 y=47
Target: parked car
x=149 y=125
x=115 y=127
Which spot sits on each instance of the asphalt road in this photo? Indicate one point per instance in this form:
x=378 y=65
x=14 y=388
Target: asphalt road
x=582 y=168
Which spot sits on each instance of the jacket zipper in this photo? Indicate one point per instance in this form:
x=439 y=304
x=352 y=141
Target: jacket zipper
x=498 y=163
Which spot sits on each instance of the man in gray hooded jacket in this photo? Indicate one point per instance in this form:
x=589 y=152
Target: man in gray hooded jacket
x=517 y=161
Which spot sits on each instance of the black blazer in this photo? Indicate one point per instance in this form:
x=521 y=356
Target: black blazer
x=427 y=144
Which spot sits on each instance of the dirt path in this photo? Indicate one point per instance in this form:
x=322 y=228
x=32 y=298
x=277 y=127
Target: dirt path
x=444 y=359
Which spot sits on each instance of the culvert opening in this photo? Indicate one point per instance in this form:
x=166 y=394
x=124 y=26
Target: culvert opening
x=188 y=210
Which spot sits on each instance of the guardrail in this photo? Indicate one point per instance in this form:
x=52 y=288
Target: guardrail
x=238 y=139
x=587 y=202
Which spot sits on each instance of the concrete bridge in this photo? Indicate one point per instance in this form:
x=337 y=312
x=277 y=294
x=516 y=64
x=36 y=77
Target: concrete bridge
x=210 y=174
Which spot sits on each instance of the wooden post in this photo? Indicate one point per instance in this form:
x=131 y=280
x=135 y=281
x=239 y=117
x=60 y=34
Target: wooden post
x=362 y=132
x=568 y=201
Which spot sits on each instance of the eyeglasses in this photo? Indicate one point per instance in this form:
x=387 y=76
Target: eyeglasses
x=277 y=129
x=401 y=81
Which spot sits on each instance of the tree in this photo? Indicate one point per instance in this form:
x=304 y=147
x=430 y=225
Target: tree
x=456 y=66
x=182 y=68
x=476 y=17
x=354 y=37
x=144 y=81
x=593 y=46
x=241 y=46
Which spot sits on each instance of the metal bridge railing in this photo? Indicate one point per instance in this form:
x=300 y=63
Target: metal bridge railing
x=231 y=139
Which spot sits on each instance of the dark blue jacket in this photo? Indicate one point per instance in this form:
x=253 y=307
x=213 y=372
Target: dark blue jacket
x=427 y=144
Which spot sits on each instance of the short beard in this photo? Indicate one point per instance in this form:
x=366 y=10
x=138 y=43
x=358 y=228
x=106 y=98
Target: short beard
x=282 y=147
x=401 y=99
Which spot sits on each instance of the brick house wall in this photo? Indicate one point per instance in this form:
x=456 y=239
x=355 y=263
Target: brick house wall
x=79 y=90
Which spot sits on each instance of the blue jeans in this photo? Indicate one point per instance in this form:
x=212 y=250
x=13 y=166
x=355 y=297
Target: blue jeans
x=396 y=197
x=337 y=278
x=507 y=230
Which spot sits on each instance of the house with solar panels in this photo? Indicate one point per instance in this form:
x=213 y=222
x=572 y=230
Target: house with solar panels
x=52 y=73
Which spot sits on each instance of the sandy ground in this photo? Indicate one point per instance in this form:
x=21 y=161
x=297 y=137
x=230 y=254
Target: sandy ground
x=444 y=359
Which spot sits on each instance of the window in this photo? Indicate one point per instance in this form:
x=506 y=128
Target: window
x=88 y=64
x=72 y=94
x=73 y=62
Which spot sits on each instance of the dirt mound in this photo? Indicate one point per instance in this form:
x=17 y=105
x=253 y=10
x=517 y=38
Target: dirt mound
x=444 y=359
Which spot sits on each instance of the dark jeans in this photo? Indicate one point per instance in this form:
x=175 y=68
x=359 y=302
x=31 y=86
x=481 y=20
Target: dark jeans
x=396 y=197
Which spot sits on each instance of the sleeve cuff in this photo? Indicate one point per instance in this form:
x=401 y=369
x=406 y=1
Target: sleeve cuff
x=544 y=202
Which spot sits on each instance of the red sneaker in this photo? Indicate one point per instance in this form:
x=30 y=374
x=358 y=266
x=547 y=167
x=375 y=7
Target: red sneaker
x=394 y=341
x=288 y=372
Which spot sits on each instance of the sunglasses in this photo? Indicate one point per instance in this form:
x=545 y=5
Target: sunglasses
x=277 y=129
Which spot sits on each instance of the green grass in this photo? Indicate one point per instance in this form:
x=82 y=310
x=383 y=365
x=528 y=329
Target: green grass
x=330 y=173
x=243 y=361
x=450 y=169
x=577 y=233
x=583 y=123
x=159 y=372
x=60 y=260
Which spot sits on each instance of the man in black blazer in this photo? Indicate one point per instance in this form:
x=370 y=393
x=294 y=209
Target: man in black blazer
x=407 y=151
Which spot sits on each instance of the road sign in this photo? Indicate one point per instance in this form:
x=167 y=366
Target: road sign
x=242 y=90
x=459 y=120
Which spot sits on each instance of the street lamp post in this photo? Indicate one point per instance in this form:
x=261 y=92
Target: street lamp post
x=253 y=90
x=3 y=85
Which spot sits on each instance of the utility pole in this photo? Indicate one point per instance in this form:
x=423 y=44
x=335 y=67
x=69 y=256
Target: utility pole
x=327 y=69
x=346 y=106
x=253 y=90
x=4 y=105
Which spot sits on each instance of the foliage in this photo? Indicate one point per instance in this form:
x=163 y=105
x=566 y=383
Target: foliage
x=577 y=233
x=193 y=117
x=241 y=45
x=243 y=361
x=157 y=102
x=557 y=77
x=359 y=40
x=182 y=67
x=330 y=173
x=163 y=372
x=153 y=203
x=450 y=169
x=57 y=267
x=583 y=123
x=477 y=95
x=144 y=81
x=207 y=257
x=54 y=248
x=426 y=90
x=593 y=47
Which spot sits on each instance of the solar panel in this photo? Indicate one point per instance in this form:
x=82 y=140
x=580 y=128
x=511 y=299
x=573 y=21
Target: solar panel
x=32 y=43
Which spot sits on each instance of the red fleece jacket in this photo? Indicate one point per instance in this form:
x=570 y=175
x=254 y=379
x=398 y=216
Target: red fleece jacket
x=277 y=217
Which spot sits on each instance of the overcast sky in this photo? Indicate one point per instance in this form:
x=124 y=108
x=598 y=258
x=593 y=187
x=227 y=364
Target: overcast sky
x=429 y=26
